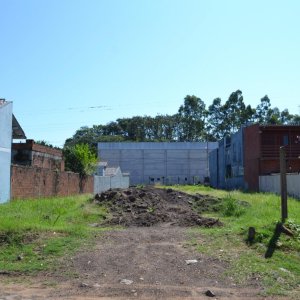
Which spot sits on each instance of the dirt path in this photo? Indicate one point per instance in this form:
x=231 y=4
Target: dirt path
x=152 y=259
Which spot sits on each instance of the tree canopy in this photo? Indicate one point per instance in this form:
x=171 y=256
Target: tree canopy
x=192 y=122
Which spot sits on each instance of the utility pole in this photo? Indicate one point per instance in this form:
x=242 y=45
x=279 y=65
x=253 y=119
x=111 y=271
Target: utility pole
x=283 y=185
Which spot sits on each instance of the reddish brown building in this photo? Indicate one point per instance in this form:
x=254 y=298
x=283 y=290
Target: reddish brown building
x=261 y=151
x=251 y=152
x=32 y=154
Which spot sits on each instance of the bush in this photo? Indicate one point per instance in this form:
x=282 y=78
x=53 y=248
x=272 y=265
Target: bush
x=231 y=207
x=80 y=159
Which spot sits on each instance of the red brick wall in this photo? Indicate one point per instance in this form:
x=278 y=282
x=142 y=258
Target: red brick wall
x=31 y=154
x=31 y=145
x=40 y=160
x=33 y=182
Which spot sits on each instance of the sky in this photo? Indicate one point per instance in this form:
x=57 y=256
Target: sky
x=71 y=63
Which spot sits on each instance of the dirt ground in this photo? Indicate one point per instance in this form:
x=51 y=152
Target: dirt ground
x=149 y=206
x=149 y=259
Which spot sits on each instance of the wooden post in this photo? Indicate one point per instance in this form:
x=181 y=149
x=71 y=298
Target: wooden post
x=283 y=185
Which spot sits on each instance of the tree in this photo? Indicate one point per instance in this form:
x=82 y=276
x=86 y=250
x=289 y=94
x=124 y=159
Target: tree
x=263 y=110
x=215 y=119
x=295 y=120
x=192 y=116
x=80 y=159
x=235 y=113
x=285 y=117
x=192 y=122
x=274 y=116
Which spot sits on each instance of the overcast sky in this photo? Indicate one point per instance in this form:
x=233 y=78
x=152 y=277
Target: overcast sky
x=67 y=64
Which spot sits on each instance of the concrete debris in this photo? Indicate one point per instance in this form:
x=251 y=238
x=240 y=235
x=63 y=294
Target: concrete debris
x=126 y=281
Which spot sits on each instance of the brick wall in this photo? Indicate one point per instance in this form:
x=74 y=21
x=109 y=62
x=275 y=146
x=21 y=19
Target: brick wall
x=32 y=154
x=33 y=182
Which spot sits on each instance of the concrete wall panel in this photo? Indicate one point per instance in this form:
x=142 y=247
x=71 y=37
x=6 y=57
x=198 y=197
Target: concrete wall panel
x=271 y=183
x=159 y=160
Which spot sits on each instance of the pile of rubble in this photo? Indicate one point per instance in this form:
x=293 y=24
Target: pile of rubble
x=149 y=206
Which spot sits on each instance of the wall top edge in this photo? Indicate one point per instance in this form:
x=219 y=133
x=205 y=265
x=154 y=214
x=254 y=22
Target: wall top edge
x=158 y=146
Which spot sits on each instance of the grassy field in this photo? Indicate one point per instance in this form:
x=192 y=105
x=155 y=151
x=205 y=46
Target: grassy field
x=34 y=233
x=270 y=258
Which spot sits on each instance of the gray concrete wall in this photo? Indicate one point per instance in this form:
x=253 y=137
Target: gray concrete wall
x=271 y=183
x=5 y=150
x=104 y=183
x=169 y=163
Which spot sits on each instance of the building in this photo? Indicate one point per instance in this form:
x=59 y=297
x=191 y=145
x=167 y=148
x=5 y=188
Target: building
x=36 y=155
x=226 y=163
x=154 y=162
x=252 y=152
x=10 y=129
x=262 y=146
x=109 y=178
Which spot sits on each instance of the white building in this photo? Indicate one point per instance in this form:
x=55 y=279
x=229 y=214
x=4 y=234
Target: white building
x=153 y=162
x=9 y=129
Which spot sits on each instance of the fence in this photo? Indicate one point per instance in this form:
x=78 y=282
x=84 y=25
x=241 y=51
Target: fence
x=104 y=183
x=271 y=183
x=34 y=182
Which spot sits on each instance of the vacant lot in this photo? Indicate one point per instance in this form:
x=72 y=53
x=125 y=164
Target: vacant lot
x=148 y=243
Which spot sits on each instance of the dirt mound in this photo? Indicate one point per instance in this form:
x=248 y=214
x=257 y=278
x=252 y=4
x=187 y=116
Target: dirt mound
x=149 y=206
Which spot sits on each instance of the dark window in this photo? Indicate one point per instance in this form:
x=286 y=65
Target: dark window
x=227 y=141
x=285 y=140
x=228 y=171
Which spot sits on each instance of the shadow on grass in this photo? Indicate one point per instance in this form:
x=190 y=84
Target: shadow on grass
x=273 y=241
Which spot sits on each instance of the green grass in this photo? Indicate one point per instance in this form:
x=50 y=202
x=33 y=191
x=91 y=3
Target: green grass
x=280 y=273
x=34 y=233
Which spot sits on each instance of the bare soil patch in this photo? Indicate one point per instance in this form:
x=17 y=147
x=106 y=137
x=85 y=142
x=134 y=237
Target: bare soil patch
x=149 y=206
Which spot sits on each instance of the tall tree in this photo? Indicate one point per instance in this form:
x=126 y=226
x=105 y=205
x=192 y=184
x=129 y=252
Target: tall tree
x=274 y=116
x=262 y=111
x=215 y=117
x=234 y=112
x=192 y=116
x=285 y=117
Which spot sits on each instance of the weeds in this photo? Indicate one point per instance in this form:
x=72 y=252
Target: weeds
x=39 y=231
x=231 y=207
x=273 y=259
x=294 y=227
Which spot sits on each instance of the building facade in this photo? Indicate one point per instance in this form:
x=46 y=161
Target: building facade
x=165 y=163
x=5 y=149
x=252 y=152
x=262 y=147
x=227 y=163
